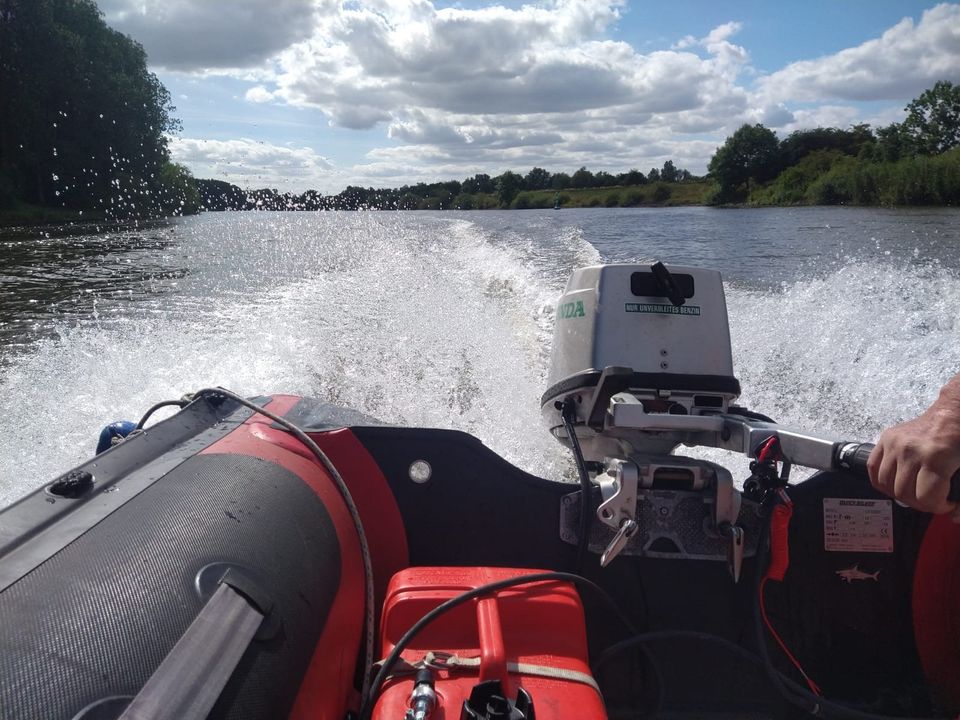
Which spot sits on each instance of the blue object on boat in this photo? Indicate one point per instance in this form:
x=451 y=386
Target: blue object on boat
x=114 y=433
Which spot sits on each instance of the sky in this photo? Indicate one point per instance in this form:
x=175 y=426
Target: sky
x=321 y=94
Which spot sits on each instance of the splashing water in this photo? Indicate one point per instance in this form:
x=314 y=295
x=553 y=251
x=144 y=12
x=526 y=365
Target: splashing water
x=439 y=320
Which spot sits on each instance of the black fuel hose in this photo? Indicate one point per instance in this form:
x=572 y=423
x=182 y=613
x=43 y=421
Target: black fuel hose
x=568 y=415
x=166 y=403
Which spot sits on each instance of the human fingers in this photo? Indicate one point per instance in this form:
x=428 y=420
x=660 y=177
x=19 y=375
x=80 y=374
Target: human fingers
x=931 y=490
x=873 y=466
x=887 y=473
x=905 y=481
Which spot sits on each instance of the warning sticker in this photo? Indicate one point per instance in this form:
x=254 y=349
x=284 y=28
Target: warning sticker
x=857 y=525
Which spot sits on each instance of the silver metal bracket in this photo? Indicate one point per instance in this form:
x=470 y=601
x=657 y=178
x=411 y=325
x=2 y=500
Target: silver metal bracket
x=628 y=528
x=628 y=420
x=618 y=505
x=735 y=535
x=726 y=508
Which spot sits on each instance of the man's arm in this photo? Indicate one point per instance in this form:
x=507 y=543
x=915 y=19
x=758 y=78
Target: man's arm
x=914 y=461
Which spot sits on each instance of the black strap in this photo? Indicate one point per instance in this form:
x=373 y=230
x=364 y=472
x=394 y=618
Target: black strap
x=193 y=674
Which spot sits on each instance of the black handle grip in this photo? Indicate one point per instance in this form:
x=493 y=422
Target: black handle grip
x=853 y=457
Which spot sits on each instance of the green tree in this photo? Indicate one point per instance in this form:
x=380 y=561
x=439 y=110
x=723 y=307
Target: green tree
x=632 y=177
x=604 y=179
x=801 y=143
x=508 y=185
x=751 y=153
x=480 y=183
x=463 y=201
x=537 y=179
x=178 y=193
x=933 y=119
x=84 y=124
x=893 y=143
x=582 y=178
x=669 y=172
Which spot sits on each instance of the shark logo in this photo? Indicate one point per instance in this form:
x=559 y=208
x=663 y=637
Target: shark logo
x=855 y=573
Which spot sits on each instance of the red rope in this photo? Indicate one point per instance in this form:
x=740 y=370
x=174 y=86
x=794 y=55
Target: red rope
x=777 y=568
x=814 y=688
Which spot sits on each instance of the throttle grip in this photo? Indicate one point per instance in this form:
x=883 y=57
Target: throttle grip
x=853 y=457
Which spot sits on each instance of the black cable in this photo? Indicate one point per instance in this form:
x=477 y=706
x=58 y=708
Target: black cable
x=789 y=686
x=370 y=698
x=654 y=636
x=568 y=415
x=749 y=414
x=152 y=410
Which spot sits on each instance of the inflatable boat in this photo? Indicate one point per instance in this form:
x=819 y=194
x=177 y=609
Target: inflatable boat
x=279 y=556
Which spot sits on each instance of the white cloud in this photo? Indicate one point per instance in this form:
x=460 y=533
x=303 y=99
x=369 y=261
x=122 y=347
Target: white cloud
x=374 y=62
x=255 y=164
x=904 y=61
x=192 y=36
x=370 y=60
x=822 y=116
x=462 y=90
x=775 y=116
x=729 y=59
x=258 y=94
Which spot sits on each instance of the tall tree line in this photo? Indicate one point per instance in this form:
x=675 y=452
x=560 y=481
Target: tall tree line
x=84 y=123
x=480 y=191
x=916 y=161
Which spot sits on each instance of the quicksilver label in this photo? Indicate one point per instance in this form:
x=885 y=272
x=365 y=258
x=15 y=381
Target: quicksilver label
x=856 y=525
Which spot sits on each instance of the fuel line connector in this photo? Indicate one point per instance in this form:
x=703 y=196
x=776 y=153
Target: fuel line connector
x=423 y=699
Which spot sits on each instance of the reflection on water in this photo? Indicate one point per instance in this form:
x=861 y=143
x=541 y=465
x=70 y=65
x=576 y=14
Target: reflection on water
x=59 y=276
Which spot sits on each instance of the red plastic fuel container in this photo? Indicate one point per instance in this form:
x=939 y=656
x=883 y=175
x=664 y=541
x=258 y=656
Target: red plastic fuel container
x=531 y=639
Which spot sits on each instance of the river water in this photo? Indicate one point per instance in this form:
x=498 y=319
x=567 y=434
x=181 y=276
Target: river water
x=843 y=320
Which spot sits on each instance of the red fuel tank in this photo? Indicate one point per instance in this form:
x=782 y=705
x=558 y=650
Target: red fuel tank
x=531 y=638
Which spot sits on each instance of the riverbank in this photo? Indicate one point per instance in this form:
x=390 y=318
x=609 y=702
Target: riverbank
x=27 y=215
x=657 y=194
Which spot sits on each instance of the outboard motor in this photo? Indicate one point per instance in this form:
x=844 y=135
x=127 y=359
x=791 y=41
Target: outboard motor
x=641 y=364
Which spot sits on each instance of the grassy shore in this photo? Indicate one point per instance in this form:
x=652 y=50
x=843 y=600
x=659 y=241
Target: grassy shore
x=656 y=194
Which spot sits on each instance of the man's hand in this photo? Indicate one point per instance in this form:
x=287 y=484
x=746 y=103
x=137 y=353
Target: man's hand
x=914 y=461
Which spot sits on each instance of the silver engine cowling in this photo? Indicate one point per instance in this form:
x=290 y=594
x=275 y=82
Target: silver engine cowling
x=656 y=340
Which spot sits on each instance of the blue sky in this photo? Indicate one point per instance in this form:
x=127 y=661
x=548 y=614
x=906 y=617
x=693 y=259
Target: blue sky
x=298 y=94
